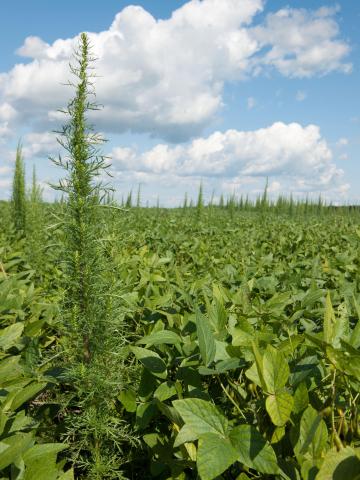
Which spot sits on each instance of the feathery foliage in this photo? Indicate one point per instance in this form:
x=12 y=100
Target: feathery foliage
x=18 y=192
x=93 y=331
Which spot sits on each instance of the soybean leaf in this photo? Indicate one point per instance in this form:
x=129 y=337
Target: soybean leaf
x=164 y=391
x=128 y=399
x=206 y=339
x=186 y=434
x=40 y=461
x=341 y=465
x=215 y=454
x=10 y=334
x=301 y=398
x=329 y=320
x=313 y=434
x=201 y=416
x=275 y=370
x=259 y=365
x=27 y=393
x=151 y=360
x=159 y=338
x=253 y=450
x=279 y=406
x=12 y=447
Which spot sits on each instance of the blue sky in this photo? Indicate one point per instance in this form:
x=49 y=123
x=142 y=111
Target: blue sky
x=227 y=92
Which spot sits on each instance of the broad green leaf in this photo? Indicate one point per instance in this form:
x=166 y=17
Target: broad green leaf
x=341 y=465
x=164 y=391
x=10 y=369
x=206 y=339
x=159 y=338
x=275 y=370
x=10 y=334
x=217 y=316
x=230 y=364
x=170 y=412
x=69 y=475
x=215 y=454
x=144 y=414
x=253 y=450
x=12 y=447
x=41 y=451
x=309 y=467
x=20 y=422
x=147 y=385
x=208 y=371
x=27 y=393
x=305 y=368
x=151 y=360
x=288 y=346
x=201 y=416
x=278 y=434
x=221 y=351
x=313 y=434
x=301 y=398
x=252 y=374
x=279 y=406
x=344 y=361
x=186 y=434
x=312 y=296
x=241 y=338
x=259 y=366
x=128 y=399
x=40 y=461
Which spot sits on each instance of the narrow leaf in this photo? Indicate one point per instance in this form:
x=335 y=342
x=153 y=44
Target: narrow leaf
x=206 y=339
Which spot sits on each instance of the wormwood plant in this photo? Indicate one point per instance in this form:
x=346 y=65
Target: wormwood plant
x=18 y=192
x=35 y=234
x=200 y=201
x=93 y=335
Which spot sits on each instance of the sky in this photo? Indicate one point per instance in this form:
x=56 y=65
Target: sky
x=227 y=93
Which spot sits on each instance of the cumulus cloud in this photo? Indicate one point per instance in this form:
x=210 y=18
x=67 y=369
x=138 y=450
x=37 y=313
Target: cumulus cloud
x=166 y=77
x=291 y=155
x=301 y=43
x=39 y=144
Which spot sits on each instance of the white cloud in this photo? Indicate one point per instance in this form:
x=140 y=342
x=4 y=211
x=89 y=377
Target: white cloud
x=5 y=131
x=34 y=47
x=302 y=43
x=294 y=156
x=166 y=77
x=39 y=144
x=7 y=112
x=342 y=142
x=300 y=95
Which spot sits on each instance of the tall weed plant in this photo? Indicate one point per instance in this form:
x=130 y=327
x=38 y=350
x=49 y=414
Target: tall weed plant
x=93 y=333
x=19 y=193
